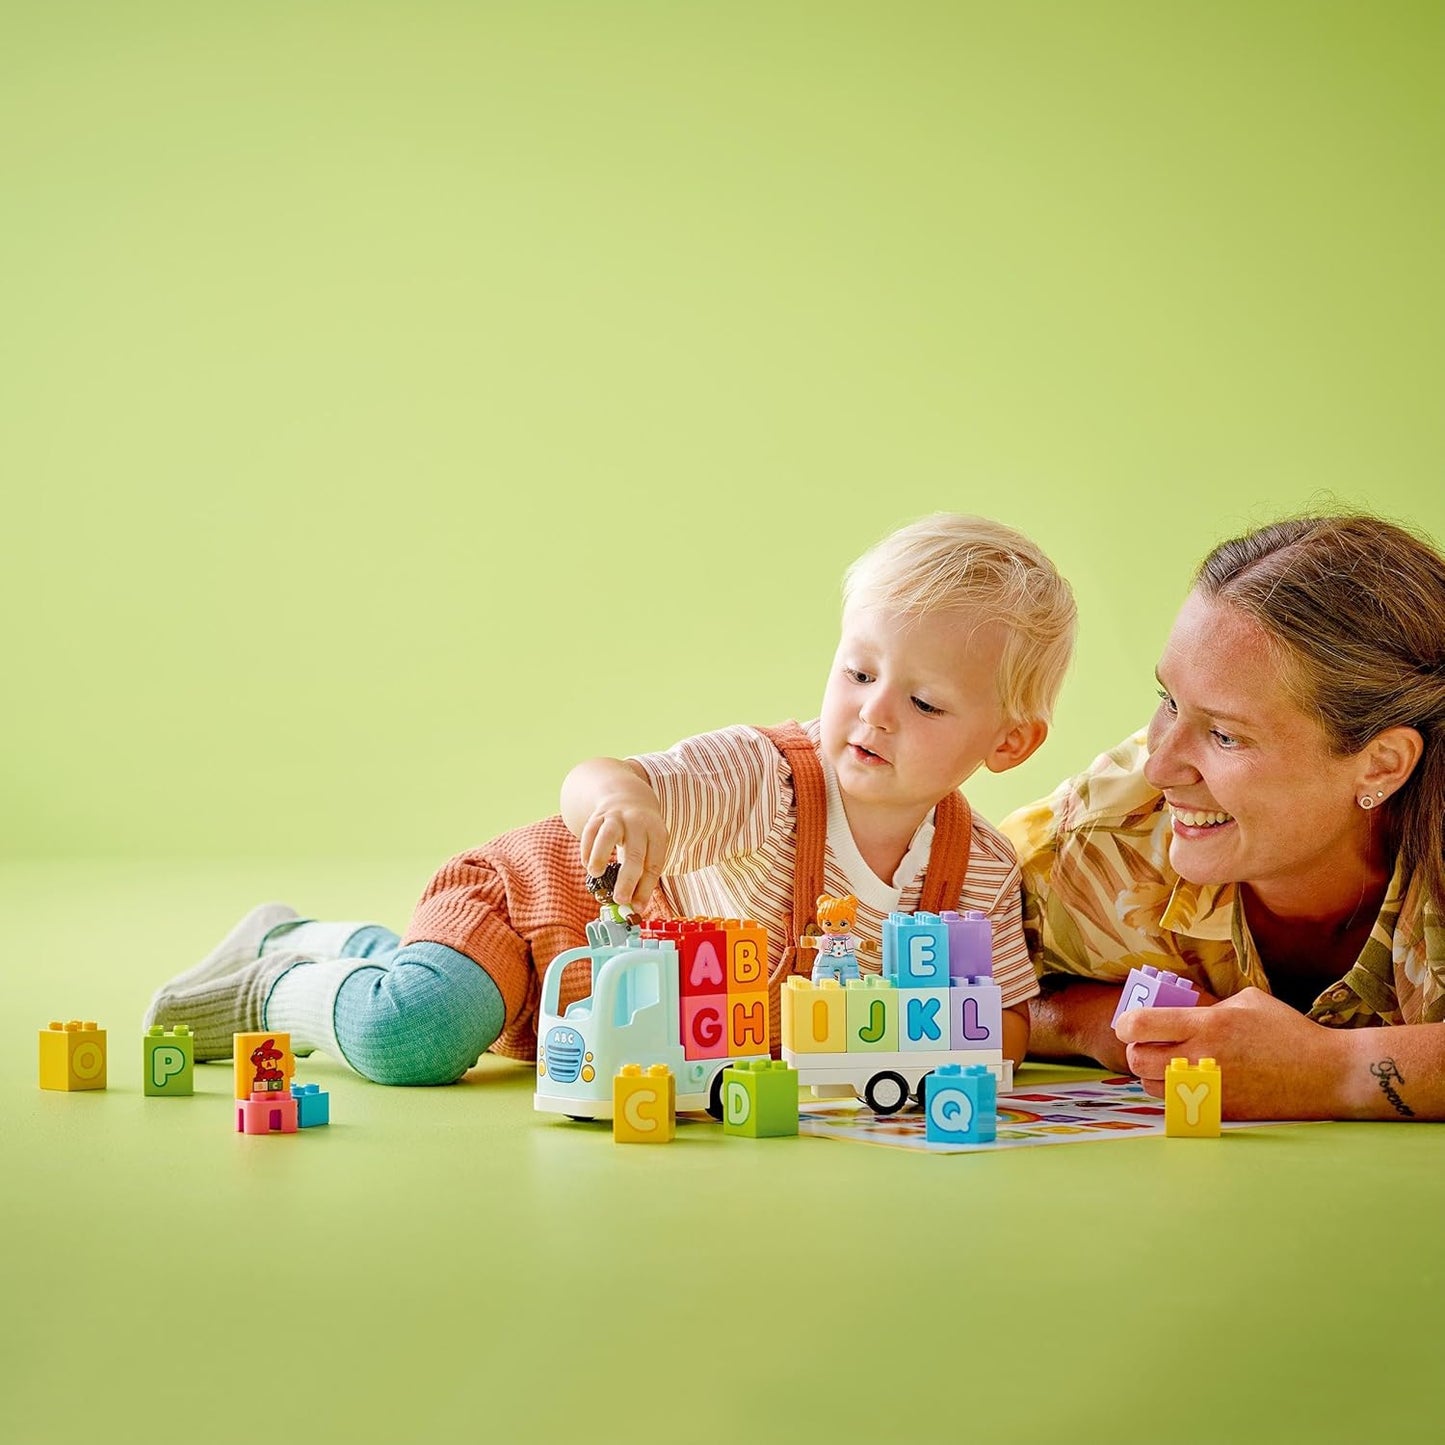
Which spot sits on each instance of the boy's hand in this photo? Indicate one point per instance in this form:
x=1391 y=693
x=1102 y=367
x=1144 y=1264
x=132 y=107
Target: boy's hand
x=633 y=828
x=610 y=807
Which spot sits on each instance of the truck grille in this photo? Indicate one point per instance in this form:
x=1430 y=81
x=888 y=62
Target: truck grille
x=564 y=1056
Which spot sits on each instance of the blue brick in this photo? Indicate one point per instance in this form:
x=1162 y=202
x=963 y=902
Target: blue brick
x=923 y=1020
x=313 y=1105
x=918 y=955
x=960 y=1105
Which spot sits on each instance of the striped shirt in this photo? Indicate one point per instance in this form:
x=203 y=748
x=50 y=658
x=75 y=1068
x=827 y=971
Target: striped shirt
x=727 y=802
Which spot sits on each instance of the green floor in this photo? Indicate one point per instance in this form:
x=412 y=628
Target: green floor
x=446 y=1265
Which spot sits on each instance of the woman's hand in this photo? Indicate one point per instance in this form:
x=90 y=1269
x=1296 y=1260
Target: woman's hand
x=1274 y=1063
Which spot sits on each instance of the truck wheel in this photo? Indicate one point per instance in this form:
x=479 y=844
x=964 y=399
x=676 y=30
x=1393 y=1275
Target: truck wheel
x=921 y=1093
x=714 y=1096
x=886 y=1093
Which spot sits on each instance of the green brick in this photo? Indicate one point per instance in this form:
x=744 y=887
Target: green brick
x=760 y=1099
x=169 y=1062
x=872 y=1016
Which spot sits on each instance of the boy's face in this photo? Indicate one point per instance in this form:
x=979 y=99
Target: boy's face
x=911 y=708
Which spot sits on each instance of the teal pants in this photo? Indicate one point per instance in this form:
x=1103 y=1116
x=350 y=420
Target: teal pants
x=423 y=1014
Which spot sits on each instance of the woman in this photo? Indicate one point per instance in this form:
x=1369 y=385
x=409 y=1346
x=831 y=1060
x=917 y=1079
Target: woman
x=1277 y=836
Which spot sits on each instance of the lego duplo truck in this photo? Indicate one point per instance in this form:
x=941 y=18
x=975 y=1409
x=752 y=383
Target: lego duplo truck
x=693 y=995
x=690 y=994
x=935 y=1003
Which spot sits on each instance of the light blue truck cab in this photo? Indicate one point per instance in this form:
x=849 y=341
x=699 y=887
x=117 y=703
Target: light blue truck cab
x=631 y=1016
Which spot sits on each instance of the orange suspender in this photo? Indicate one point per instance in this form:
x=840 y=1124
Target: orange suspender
x=947 y=860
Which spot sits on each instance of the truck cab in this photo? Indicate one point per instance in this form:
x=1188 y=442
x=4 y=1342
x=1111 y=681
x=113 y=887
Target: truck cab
x=630 y=1016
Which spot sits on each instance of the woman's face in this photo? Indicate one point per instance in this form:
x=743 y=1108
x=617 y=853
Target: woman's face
x=1255 y=793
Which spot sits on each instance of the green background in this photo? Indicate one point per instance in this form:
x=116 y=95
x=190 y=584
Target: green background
x=404 y=401
x=399 y=402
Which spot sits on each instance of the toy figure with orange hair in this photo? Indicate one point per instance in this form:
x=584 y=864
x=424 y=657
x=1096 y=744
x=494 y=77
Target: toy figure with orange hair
x=835 y=941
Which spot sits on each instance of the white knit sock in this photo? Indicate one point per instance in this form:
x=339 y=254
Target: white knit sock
x=307 y=935
x=302 y=1002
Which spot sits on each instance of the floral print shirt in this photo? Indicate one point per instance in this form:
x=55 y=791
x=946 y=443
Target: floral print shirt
x=1100 y=898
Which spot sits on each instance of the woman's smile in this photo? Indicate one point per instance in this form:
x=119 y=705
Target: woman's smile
x=1198 y=822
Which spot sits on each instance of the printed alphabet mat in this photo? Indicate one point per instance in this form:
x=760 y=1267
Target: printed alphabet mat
x=1115 y=1108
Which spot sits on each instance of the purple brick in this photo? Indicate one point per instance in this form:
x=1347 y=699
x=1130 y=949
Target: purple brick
x=975 y=1014
x=1148 y=988
x=970 y=944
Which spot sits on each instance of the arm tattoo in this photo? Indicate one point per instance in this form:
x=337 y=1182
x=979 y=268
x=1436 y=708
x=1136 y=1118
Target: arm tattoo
x=1386 y=1075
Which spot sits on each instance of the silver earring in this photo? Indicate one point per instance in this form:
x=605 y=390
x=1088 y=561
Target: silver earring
x=1367 y=802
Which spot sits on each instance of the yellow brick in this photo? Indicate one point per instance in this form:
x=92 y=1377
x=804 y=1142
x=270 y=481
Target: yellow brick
x=815 y=1016
x=1192 y=1099
x=72 y=1056
x=644 y=1105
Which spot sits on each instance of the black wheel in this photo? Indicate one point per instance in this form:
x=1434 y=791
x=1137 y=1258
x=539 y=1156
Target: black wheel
x=714 y=1096
x=583 y=1118
x=920 y=1093
x=886 y=1093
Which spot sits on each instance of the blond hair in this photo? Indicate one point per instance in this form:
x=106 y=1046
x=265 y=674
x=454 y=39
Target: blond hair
x=953 y=563
x=1356 y=606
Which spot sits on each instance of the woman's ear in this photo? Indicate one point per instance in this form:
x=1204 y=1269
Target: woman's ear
x=1387 y=761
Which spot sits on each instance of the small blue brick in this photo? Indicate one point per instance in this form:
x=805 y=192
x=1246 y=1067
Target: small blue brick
x=313 y=1105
